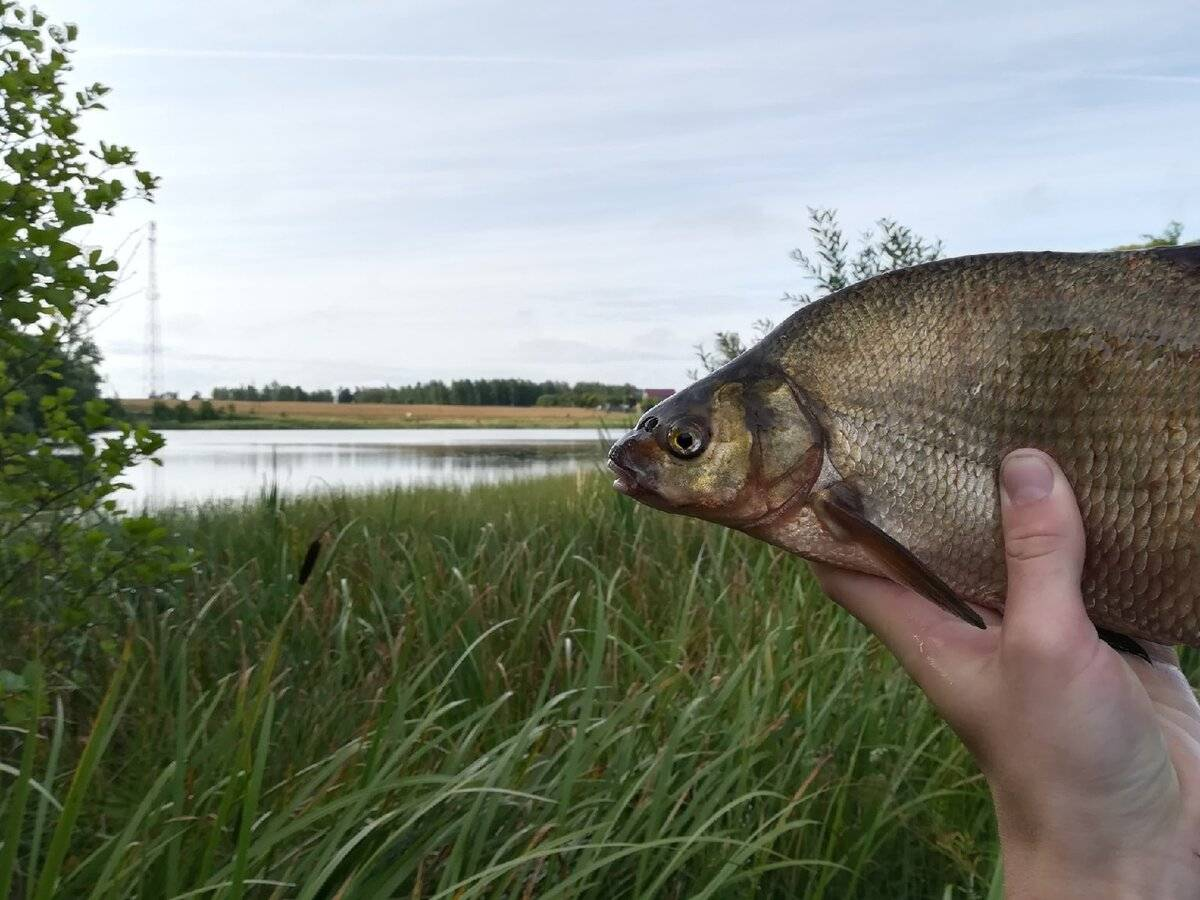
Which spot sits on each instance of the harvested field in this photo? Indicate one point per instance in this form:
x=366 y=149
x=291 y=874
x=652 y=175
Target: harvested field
x=268 y=413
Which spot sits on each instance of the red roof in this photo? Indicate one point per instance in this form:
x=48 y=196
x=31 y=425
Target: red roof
x=659 y=393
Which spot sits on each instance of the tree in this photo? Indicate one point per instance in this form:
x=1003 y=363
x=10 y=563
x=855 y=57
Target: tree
x=1169 y=238
x=62 y=540
x=830 y=268
x=893 y=246
x=74 y=367
x=727 y=346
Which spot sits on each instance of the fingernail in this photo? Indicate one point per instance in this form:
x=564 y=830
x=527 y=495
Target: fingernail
x=1026 y=478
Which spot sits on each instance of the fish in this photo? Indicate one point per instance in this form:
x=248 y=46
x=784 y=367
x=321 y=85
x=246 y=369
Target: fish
x=866 y=430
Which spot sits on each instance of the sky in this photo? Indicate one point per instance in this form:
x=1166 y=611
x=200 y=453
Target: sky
x=360 y=193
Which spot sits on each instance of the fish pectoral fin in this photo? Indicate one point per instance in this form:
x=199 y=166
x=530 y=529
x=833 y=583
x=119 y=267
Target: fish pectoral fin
x=844 y=519
x=1123 y=643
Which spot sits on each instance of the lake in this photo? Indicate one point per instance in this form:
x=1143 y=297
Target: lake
x=199 y=466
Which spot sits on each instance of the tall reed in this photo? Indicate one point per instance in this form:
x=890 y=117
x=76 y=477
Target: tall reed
x=532 y=690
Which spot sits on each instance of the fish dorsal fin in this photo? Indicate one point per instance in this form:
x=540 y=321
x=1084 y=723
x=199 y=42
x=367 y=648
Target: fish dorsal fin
x=840 y=510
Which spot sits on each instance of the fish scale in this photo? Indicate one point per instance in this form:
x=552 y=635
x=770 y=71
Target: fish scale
x=923 y=379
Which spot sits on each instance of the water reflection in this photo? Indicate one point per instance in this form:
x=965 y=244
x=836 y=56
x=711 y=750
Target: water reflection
x=201 y=466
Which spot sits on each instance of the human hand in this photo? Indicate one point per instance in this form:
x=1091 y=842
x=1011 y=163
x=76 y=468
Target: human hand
x=1092 y=756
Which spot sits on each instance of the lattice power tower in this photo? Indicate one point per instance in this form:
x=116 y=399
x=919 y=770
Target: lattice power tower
x=153 y=328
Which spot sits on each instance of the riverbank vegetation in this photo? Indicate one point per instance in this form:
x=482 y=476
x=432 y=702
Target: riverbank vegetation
x=532 y=690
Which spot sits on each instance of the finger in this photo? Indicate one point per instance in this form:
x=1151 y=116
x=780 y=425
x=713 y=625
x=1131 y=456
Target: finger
x=1043 y=545
x=937 y=649
x=1164 y=681
x=883 y=605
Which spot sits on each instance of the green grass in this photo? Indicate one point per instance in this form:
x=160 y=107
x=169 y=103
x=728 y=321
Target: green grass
x=536 y=690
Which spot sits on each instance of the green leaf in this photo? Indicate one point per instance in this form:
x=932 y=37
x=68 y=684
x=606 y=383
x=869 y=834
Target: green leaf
x=64 y=556
x=19 y=793
x=12 y=683
x=97 y=742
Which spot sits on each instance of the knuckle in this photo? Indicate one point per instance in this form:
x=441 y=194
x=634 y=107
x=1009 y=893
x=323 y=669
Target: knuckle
x=1033 y=543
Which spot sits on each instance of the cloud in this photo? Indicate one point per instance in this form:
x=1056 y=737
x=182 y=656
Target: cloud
x=266 y=55
x=1145 y=77
x=660 y=343
x=469 y=187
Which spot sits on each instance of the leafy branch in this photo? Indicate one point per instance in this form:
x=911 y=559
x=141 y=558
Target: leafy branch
x=830 y=266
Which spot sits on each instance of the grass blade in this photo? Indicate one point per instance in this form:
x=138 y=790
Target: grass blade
x=20 y=792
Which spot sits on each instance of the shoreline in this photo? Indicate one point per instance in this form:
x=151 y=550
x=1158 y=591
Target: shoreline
x=247 y=414
x=342 y=425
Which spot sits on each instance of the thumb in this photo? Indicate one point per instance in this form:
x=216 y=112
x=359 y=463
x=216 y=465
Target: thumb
x=1043 y=549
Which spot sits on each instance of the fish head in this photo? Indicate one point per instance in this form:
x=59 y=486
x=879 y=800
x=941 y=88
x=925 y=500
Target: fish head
x=734 y=448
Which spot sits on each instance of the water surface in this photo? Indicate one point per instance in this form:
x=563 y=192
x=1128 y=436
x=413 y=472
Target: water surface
x=199 y=466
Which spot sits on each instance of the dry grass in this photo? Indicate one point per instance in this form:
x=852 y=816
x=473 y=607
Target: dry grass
x=395 y=414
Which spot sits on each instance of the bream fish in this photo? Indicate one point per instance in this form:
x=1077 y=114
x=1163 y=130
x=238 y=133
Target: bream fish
x=867 y=429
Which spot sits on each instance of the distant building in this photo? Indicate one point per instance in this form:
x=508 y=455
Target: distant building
x=656 y=395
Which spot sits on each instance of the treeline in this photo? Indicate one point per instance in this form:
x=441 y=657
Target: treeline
x=593 y=393
x=272 y=391
x=170 y=410
x=460 y=392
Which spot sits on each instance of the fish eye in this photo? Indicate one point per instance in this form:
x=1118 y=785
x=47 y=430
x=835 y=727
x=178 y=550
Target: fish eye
x=686 y=439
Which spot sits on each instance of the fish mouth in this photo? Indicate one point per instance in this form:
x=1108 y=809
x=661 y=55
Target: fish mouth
x=626 y=481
